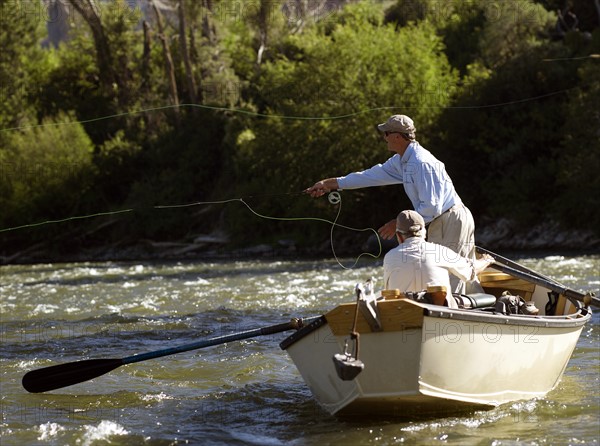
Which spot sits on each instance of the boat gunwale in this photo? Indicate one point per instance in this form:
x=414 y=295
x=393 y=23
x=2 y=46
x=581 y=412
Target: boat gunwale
x=303 y=332
x=577 y=319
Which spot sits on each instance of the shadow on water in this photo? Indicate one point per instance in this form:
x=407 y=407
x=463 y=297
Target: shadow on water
x=266 y=406
x=287 y=410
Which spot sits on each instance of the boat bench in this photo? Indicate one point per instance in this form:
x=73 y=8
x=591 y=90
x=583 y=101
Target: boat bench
x=496 y=283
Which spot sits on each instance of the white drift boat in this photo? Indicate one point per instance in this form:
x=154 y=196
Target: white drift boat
x=415 y=358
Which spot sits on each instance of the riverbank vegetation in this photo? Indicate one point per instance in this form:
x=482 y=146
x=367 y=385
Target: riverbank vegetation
x=139 y=105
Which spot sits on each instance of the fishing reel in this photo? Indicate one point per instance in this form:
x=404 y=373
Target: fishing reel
x=334 y=197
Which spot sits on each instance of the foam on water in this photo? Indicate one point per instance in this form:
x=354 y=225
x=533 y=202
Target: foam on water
x=49 y=430
x=102 y=432
x=45 y=308
x=156 y=397
x=26 y=365
x=254 y=439
x=197 y=282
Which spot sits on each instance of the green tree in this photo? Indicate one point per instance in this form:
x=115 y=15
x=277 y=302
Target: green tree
x=98 y=70
x=22 y=63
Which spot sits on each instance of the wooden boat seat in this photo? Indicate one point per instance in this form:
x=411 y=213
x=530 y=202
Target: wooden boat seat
x=494 y=282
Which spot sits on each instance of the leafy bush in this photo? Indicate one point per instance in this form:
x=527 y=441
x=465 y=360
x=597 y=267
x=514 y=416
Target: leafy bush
x=47 y=169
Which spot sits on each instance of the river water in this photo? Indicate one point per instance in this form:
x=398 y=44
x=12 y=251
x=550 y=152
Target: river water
x=240 y=393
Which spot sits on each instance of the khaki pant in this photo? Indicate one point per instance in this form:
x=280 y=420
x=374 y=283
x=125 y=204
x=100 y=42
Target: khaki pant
x=455 y=229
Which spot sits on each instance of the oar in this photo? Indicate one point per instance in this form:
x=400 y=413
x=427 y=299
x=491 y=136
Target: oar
x=512 y=264
x=546 y=281
x=63 y=375
x=587 y=299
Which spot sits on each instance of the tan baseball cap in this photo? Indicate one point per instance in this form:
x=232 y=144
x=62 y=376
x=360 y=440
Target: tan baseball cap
x=409 y=222
x=398 y=123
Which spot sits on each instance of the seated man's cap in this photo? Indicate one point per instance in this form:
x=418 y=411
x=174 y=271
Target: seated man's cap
x=409 y=222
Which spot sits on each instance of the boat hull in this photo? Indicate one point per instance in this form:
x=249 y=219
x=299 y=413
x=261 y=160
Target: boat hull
x=428 y=359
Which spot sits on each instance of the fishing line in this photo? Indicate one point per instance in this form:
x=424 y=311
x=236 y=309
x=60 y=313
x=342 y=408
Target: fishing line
x=122 y=211
x=80 y=217
x=289 y=117
x=589 y=56
x=334 y=198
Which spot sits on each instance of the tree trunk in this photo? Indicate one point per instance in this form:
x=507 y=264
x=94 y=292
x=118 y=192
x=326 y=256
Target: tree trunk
x=191 y=84
x=169 y=67
x=146 y=58
x=263 y=30
x=107 y=74
x=208 y=27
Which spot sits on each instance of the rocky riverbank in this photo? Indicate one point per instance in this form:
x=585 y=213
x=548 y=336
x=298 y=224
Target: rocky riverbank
x=505 y=235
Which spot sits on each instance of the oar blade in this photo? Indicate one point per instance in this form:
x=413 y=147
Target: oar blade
x=64 y=375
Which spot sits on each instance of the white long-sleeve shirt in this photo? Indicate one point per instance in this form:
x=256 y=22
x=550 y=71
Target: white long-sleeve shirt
x=416 y=264
x=424 y=177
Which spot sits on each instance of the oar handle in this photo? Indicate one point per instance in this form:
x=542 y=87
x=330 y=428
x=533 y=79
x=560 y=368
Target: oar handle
x=587 y=299
x=512 y=264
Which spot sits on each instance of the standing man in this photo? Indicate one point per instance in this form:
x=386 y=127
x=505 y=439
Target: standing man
x=426 y=183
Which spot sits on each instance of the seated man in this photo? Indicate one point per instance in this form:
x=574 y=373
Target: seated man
x=416 y=264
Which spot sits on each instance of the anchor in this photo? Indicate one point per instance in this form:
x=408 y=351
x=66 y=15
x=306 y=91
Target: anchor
x=347 y=365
